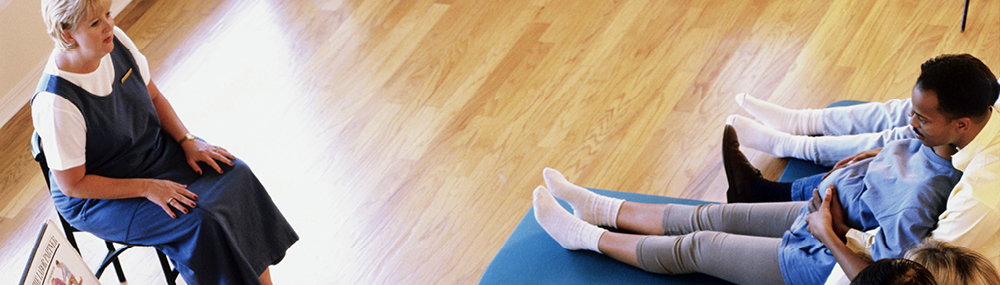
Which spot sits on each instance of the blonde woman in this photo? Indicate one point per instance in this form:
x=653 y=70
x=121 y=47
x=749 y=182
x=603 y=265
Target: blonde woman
x=952 y=264
x=125 y=168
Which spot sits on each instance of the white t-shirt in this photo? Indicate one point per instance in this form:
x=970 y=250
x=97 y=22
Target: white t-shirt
x=59 y=123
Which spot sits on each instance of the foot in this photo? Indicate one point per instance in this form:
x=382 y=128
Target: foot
x=779 y=144
x=792 y=121
x=739 y=172
x=587 y=206
x=571 y=233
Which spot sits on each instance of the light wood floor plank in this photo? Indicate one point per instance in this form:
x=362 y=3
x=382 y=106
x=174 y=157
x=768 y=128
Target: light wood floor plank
x=402 y=139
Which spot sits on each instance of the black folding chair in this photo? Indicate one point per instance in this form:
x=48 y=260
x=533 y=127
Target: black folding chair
x=112 y=257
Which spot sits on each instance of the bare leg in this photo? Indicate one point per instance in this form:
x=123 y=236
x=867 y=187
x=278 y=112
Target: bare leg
x=641 y=218
x=606 y=211
x=265 y=277
x=620 y=246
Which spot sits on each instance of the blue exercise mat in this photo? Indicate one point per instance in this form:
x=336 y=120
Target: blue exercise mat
x=530 y=256
x=798 y=168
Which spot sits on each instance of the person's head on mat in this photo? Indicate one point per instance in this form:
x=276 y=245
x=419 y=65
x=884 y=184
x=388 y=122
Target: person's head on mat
x=952 y=99
x=894 y=271
x=952 y=264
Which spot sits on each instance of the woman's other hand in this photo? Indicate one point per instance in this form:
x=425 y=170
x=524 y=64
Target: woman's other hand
x=168 y=194
x=197 y=150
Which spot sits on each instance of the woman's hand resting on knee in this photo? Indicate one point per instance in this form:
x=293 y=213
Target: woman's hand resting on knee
x=197 y=150
x=168 y=194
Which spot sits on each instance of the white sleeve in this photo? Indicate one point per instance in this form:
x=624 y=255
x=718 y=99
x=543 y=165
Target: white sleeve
x=972 y=217
x=140 y=59
x=837 y=276
x=861 y=242
x=62 y=129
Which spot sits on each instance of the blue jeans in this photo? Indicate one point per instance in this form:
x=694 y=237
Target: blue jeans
x=802 y=188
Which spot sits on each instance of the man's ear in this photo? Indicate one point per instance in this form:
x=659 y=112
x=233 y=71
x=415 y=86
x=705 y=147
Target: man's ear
x=963 y=124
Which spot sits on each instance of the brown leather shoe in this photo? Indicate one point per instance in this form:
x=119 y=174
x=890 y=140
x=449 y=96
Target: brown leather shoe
x=739 y=172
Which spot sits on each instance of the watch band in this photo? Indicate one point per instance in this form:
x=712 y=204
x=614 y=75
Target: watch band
x=187 y=136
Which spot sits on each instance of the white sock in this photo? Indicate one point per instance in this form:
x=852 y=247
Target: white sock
x=792 y=121
x=571 y=233
x=756 y=136
x=588 y=206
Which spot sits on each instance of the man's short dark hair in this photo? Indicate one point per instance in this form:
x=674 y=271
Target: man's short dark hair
x=894 y=271
x=964 y=85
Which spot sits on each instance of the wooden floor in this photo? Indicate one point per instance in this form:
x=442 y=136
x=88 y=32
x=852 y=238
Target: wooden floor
x=402 y=139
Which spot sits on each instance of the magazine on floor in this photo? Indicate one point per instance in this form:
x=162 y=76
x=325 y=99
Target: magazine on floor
x=54 y=261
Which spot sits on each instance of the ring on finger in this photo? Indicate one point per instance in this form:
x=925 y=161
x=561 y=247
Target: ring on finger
x=170 y=200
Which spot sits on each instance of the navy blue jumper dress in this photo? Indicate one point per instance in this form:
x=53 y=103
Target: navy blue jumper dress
x=233 y=234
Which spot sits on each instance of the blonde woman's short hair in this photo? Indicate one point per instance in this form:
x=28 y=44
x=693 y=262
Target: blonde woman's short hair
x=62 y=15
x=952 y=264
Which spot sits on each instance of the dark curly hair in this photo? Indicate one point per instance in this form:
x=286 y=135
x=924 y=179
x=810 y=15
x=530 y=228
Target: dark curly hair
x=894 y=271
x=964 y=85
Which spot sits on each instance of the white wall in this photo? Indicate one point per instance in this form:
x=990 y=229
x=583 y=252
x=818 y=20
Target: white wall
x=24 y=47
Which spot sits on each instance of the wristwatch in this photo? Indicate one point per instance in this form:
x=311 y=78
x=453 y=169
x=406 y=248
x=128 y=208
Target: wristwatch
x=187 y=136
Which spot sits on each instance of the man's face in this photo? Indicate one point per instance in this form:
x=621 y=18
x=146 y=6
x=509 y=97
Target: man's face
x=932 y=127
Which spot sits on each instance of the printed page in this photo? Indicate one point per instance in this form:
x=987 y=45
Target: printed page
x=54 y=261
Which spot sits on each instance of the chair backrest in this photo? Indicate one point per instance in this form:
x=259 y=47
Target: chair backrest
x=39 y=155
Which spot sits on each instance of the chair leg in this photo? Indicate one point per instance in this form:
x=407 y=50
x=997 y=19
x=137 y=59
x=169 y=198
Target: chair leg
x=169 y=274
x=965 y=14
x=117 y=264
x=112 y=259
